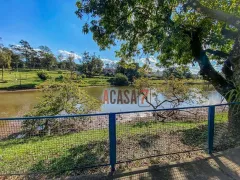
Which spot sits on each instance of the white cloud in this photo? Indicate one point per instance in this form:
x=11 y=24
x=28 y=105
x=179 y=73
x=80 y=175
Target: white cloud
x=151 y=61
x=109 y=63
x=37 y=49
x=67 y=53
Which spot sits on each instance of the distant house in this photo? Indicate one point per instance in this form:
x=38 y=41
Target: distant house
x=109 y=71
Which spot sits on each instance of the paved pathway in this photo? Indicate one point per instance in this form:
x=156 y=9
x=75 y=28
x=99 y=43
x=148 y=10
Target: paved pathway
x=224 y=165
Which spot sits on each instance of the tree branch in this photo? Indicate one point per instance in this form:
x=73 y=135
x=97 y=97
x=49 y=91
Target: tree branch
x=214 y=14
x=206 y=69
x=228 y=33
x=217 y=53
x=227 y=69
x=210 y=74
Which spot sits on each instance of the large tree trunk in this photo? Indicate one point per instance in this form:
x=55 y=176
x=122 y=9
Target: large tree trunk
x=234 y=120
x=206 y=69
x=235 y=61
x=222 y=84
x=234 y=110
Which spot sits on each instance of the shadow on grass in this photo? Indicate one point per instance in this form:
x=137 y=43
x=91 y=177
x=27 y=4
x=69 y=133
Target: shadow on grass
x=145 y=141
x=68 y=126
x=195 y=137
x=142 y=124
x=74 y=161
x=12 y=140
x=20 y=87
x=223 y=140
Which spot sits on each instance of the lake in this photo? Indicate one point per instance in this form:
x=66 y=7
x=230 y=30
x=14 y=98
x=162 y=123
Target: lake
x=15 y=104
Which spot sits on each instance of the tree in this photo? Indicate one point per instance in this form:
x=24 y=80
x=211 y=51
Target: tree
x=177 y=72
x=48 y=60
x=177 y=32
x=91 y=65
x=130 y=69
x=59 y=98
x=16 y=61
x=186 y=72
x=70 y=63
x=61 y=62
x=172 y=71
x=120 y=80
x=173 y=94
x=67 y=62
x=5 y=58
x=27 y=52
x=145 y=70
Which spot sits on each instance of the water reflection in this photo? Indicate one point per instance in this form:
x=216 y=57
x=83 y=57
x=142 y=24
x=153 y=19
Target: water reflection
x=14 y=104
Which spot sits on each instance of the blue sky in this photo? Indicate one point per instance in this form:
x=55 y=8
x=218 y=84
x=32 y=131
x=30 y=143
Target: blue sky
x=52 y=23
x=47 y=22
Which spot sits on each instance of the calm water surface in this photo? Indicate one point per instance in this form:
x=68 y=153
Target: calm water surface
x=15 y=104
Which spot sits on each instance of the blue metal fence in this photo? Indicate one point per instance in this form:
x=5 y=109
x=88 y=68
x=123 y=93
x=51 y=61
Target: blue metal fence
x=130 y=129
x=211 y=115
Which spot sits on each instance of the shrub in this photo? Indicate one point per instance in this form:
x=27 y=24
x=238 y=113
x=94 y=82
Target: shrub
x=60 y=72
x=43 y=75
x=59 y=78
x=120 y=80
x=84 y=76
x=60 y=97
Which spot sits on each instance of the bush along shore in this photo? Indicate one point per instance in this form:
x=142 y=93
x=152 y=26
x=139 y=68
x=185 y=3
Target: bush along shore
x=36 y=79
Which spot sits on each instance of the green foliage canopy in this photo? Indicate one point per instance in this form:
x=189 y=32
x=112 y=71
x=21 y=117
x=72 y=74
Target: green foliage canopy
x=67 y=97
x=5 y=58
x=177 y=72
x=155 y=26
x=48 y=60
x=91 y=65
x=59 y=98
x=175 y=31
x=120 y=80
x=130 y=69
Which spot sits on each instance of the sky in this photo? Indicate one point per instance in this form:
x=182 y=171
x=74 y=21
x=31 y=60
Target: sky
x=52 y=23
x=47 y=22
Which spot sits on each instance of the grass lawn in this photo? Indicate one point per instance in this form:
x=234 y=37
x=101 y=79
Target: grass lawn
x=86 y=148
x=30 y=80
x=24 y=79
x=95 y=81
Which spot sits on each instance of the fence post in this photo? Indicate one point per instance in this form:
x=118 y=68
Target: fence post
x=211 y=116
x=112 y=140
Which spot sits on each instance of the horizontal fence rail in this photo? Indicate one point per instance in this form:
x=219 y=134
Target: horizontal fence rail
x=59 y=144
x=123 y=112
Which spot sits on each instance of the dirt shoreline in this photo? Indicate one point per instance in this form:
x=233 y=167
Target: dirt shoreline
x=38 y=89
x=18 y=90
